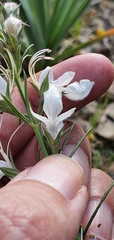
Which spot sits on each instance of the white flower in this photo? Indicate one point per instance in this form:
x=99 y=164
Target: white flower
x=12 y=25
x=4 y=163
x=3 y=87
x=53 y=122
x=63 y=80
x=78 y=90
x=75 y=91
x=11 y=7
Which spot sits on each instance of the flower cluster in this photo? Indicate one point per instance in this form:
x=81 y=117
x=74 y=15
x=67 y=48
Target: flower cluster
x=52 y=106
x=12 y=23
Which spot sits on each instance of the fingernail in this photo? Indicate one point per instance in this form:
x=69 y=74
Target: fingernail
x=82 y=159
x=59 y=172
x=101 y=225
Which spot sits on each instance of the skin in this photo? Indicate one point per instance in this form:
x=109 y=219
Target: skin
x=50 y=199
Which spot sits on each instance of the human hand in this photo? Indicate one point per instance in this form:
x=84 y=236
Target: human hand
x=51 y=206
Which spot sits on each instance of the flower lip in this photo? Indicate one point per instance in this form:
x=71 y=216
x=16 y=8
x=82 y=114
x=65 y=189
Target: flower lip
x=78 y=90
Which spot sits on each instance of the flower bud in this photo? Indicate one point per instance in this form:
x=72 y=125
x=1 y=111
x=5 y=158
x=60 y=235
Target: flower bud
x=11 y=7
x=12 y=25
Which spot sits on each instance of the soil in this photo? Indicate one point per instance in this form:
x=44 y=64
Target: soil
x=100 y=17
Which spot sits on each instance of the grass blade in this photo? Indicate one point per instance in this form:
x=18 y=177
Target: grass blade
x=79 y=143
x=97 y=208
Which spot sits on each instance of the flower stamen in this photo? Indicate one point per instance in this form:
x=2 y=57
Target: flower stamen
x=34 y=59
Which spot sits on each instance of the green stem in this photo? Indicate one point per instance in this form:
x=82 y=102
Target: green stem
x=40 y=140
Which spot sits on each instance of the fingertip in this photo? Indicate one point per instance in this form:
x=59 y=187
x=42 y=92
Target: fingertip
x=102 y=223
x=101 y=226
x=100 y=182
x=88 y=66
x=95 y=67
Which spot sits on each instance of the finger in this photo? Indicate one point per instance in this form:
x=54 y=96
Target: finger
x=92 y=66
x=100 y=182
x=46 y=201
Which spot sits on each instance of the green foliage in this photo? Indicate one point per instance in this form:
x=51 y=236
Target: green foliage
x=49 y=21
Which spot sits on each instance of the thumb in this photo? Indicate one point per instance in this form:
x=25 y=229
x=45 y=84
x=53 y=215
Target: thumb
x=45 y=201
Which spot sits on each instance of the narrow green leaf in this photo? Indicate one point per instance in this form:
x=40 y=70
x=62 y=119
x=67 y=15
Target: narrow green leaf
x=15 y=111
x=97 y=208
x=26 y=54
x=39 y=136
x=68 y=53
x=80 y=234
x=27 y=103
x=65 y=15
x=69 y=130
x=4 y=107
x=19 y=84
x=34 y=15
x=79 y=143
x=18 y=59
x=9 y=172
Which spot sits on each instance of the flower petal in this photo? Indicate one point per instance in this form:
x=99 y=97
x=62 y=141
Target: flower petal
x=50 y=126
x=3 y=86
x=5 y=165
x=66 y=115
x=47 y=72
x=78 y=91
x=1 y=174
x=55 y=128
x=65 y=79
x=39 y=117
x=52 y=103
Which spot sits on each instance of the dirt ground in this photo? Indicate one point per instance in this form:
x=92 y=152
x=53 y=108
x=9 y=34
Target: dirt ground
x=100 y=17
